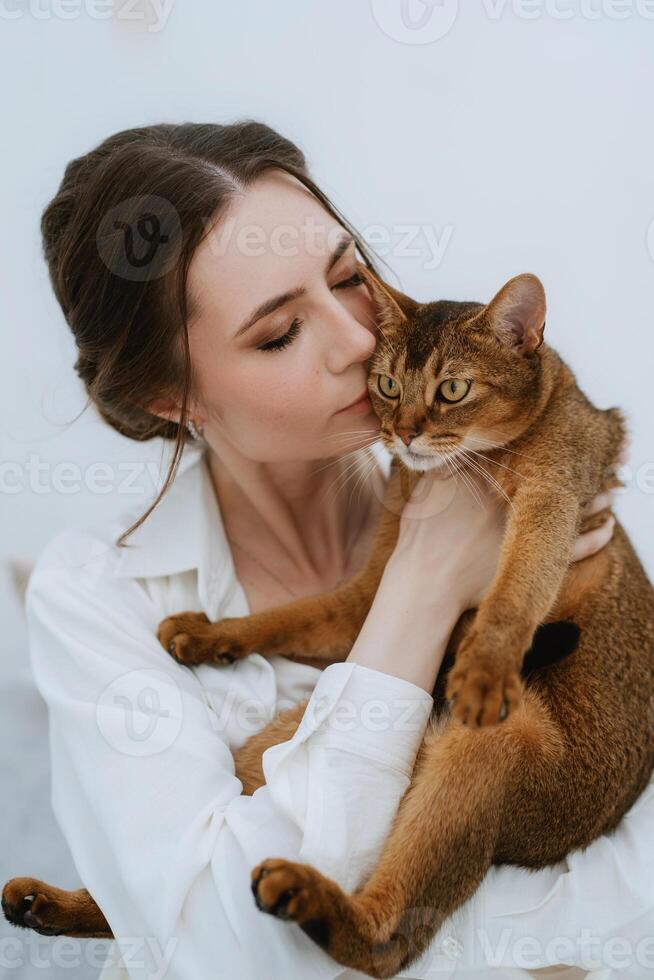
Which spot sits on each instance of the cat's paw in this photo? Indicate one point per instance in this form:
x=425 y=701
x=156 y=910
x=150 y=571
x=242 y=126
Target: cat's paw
x=26 y=904
x=483 y=692
x=288 y=890
x=192 y=639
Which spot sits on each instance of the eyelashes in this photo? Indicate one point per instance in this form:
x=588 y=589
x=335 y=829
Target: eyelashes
x=284 y=341
x=287 y=339
x=354 y=280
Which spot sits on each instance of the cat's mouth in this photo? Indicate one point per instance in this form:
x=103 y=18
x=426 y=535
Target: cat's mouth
x=438 y=462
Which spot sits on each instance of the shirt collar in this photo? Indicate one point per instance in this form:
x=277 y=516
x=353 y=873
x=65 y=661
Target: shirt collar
x=185 y=531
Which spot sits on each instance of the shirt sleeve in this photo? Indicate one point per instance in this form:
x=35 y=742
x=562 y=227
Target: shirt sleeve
x=144 y=789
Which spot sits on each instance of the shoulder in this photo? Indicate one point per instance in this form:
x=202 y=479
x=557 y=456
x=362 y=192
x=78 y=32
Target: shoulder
x=83 y=617
x=78 y=576
x=167 y=540
x=86 y=553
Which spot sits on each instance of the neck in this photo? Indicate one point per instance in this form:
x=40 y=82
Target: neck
x=300 y=511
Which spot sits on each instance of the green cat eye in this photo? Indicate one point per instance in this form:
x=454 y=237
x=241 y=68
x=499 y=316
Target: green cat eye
x=388 y=386
x=454 y=389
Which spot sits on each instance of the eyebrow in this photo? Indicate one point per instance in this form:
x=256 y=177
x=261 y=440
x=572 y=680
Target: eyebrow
x=270 y=305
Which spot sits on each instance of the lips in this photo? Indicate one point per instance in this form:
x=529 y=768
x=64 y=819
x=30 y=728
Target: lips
x=356 y=401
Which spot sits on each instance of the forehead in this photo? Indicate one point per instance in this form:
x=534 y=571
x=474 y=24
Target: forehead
x=436 y=337
x=273 y=236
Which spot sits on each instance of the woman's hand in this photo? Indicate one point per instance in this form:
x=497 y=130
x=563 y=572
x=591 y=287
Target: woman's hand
x=451 y=534
x=449 y=540
x=444 y=561
x=593 y=541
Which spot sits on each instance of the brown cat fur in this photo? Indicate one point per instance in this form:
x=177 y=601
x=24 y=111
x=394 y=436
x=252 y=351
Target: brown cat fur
x=541 y=736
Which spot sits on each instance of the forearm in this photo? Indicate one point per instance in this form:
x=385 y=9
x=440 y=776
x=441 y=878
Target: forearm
x=408 y=626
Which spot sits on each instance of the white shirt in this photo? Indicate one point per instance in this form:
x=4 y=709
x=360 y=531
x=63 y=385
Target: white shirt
x=144 y=790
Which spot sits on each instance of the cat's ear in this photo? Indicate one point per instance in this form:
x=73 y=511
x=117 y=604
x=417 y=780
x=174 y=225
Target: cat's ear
x=517 y=313
x=393 y=307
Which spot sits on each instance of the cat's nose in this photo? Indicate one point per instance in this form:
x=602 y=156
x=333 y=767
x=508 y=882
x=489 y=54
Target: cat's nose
x=407 y=434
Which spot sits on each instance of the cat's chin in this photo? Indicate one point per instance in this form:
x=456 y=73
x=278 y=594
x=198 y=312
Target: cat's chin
x=426 y=464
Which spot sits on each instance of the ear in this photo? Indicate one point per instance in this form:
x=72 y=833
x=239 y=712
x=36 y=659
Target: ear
x=393 y=307
x=166 y=408
x=517 y=313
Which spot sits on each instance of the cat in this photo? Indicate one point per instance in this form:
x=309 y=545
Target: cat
x=541 y=734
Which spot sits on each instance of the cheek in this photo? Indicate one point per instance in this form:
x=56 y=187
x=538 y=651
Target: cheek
x=283 y=402
x=271 y=391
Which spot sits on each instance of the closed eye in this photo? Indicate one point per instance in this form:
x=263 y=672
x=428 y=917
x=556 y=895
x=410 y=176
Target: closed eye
x=279 y=343
x=354 y=280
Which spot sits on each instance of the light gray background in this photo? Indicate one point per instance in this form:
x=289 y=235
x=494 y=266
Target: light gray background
x=519 y=136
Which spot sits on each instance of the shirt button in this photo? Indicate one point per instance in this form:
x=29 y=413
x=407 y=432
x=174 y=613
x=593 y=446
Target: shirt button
x=452 y=947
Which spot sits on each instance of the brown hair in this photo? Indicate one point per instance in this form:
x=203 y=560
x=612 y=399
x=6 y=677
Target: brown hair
x=129 y=314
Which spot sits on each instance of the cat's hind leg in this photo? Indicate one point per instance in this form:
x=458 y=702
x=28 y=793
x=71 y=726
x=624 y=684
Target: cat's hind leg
x=442 y=844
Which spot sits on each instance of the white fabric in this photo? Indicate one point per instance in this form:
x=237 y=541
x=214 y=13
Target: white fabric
x=144 y=789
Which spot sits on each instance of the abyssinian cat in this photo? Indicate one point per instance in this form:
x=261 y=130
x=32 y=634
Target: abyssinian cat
x=542 y=731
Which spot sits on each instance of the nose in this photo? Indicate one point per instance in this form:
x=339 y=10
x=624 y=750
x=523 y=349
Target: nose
x=349 y=342
x=407 y=433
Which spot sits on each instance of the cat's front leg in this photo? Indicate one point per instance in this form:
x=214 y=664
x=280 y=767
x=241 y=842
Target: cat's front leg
x=323 y=627
x=485 y=683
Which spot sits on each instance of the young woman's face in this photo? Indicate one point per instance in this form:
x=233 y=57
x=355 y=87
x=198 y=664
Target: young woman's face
x=283 y=328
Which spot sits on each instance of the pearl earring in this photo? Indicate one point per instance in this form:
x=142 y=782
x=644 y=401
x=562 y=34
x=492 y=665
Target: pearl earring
x=197 y=433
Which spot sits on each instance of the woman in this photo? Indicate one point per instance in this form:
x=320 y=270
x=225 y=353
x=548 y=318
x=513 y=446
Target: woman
x=212 y=289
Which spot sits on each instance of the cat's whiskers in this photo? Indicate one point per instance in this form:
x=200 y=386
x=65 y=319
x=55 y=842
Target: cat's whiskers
x=468 y=480
x=346 y=475
x=494 y=445
x=351 y=440
x=350 y=432
x=487 y=476
x=361 y=482
x=368 y=440
x=450 y=463
x=495 y=462
x=342 y=453
x=348 y=438
x=338 y=459
x=355 y=475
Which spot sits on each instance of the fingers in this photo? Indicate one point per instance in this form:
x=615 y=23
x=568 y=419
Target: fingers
x=593 y=541
x=598 y=503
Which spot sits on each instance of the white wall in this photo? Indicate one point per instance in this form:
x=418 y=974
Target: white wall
x=520 y=143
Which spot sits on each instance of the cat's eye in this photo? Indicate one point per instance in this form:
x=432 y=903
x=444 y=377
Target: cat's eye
x=388 y=386
x=453 y=390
